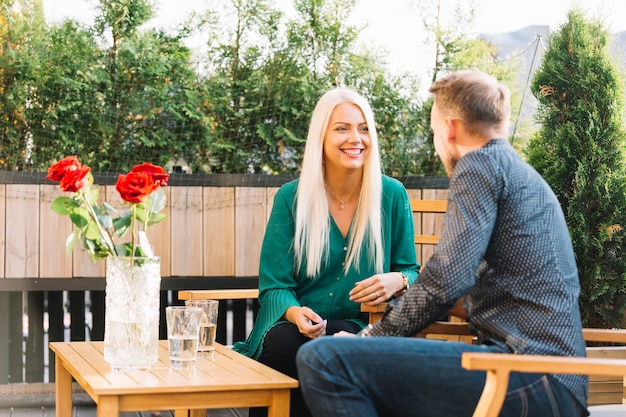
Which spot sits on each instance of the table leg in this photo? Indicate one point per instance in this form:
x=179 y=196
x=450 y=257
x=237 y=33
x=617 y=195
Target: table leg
x=63 y=388
x=279 y=405
x=108 y=406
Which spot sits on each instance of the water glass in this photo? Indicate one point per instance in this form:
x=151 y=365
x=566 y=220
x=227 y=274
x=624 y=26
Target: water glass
x=208 y=326
x=183 y=326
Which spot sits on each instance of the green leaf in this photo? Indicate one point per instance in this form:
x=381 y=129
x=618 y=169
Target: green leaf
x=141 y=213
x=109 y=208
x=60 y=205
x=80 y=217
x=156 y=201
x=124 y=249
x=91 y=194
x=92 y=232
x=105 y=220
x=71 y=240
x=156 y=218
x=121 y=225
x=140 y=252
x=89 y=245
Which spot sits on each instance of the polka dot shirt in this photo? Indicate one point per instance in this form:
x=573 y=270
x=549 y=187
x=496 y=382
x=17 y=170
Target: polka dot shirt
x=505 y=248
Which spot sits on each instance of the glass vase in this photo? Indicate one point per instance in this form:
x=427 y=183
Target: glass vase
x=131 y=329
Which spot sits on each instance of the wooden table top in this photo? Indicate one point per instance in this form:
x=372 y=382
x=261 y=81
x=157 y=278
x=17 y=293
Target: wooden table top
x=228 y=371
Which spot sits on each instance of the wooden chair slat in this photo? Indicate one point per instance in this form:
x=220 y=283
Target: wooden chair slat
x=499 y=366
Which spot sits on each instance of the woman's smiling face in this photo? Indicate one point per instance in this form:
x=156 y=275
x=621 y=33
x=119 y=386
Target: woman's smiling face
x=347 y=139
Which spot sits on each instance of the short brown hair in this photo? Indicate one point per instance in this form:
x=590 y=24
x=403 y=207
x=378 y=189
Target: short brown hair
x=478 y=99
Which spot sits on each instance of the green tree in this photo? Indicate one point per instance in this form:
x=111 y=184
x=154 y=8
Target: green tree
x=446 y=25
x=265 y=84
x=151 y=106
x=21 y=26
x=67 y=103
x=397 y=108
x=579 y=150
x=244 y=71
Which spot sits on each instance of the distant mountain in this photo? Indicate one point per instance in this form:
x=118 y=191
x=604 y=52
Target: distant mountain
x=528 y=46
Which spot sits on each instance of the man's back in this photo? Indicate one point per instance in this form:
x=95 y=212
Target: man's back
x=526 y=282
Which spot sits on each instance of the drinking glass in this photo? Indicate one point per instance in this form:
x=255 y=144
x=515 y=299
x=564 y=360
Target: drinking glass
x=208 y=326
x=183 y=326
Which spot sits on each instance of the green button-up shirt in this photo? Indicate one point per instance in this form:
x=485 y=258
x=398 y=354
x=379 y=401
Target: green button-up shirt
x=281 y=287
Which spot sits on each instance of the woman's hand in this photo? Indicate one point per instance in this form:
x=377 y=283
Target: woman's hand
x=377 y=289
x=309 y=323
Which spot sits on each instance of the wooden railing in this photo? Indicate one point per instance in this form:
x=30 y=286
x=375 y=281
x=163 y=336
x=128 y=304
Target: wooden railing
x=211 y=240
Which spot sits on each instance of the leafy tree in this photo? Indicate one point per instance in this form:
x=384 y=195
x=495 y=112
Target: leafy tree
x=67 y=102
x=446 y=25
x=118 y=95
x=265 y=86
x=579 y=150
x=143 y=94
x=20 y=28
x=397 y=107
x=241 y=84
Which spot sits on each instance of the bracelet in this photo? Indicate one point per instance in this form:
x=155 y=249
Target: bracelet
x=365 y=332
x=405 y=286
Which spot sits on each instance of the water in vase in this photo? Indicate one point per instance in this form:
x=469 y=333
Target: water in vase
x=131 y=335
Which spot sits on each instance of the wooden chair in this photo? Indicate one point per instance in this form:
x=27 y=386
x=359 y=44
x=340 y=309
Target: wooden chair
x=499 y=366
x=452 y=328
x=422 y=209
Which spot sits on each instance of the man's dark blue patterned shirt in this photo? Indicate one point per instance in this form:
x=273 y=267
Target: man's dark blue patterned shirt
x=505 y=248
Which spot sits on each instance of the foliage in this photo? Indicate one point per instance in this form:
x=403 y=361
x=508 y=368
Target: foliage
x=580 y=151
x=446 y=25
x=18 y=66
x=118 y=93
x=68 y=98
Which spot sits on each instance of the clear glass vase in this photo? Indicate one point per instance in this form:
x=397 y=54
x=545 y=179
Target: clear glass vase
x=131 y=329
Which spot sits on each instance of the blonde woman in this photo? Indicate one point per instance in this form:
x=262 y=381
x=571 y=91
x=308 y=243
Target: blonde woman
x=340 y=235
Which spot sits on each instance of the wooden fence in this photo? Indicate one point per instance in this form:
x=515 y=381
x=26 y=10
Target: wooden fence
x=212 y=239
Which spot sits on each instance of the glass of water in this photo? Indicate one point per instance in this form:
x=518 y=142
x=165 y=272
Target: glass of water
x=183 y=326
x=208 y=326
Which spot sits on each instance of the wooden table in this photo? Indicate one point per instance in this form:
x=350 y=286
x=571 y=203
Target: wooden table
x=230 y=380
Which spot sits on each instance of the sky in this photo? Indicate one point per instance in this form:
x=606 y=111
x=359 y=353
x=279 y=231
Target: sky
x=394 y=24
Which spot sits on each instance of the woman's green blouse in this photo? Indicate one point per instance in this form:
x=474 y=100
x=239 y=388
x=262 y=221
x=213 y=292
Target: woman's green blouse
x=280 y=287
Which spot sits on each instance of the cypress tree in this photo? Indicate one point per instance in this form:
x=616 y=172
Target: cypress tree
x=580 y=151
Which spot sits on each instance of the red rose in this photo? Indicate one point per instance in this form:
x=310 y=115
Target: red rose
x=135 y=186
x=158 y=174
x=75 y=179
x=58 y=170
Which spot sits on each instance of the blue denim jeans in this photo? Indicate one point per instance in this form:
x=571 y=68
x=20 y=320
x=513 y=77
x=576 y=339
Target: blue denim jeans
x=413 y=377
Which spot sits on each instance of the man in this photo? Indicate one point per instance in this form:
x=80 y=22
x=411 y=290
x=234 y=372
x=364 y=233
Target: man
x=504 y=248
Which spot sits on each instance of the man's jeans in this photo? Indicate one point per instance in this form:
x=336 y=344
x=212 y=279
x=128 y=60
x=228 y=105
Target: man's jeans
x=413 y=377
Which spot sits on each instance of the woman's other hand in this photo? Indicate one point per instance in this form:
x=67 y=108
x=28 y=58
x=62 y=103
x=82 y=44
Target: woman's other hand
x=309 y=323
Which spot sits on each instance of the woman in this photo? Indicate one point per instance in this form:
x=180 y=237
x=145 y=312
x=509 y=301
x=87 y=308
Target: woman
x=339 y=236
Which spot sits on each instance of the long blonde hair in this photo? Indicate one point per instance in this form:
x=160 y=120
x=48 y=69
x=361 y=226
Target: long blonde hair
x=312 y=229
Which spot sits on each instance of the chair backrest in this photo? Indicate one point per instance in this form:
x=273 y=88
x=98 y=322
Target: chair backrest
x=425 y=207
x=428 y=220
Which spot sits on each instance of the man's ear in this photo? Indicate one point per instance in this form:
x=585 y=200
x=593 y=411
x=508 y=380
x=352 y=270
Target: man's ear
x=451 y=128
